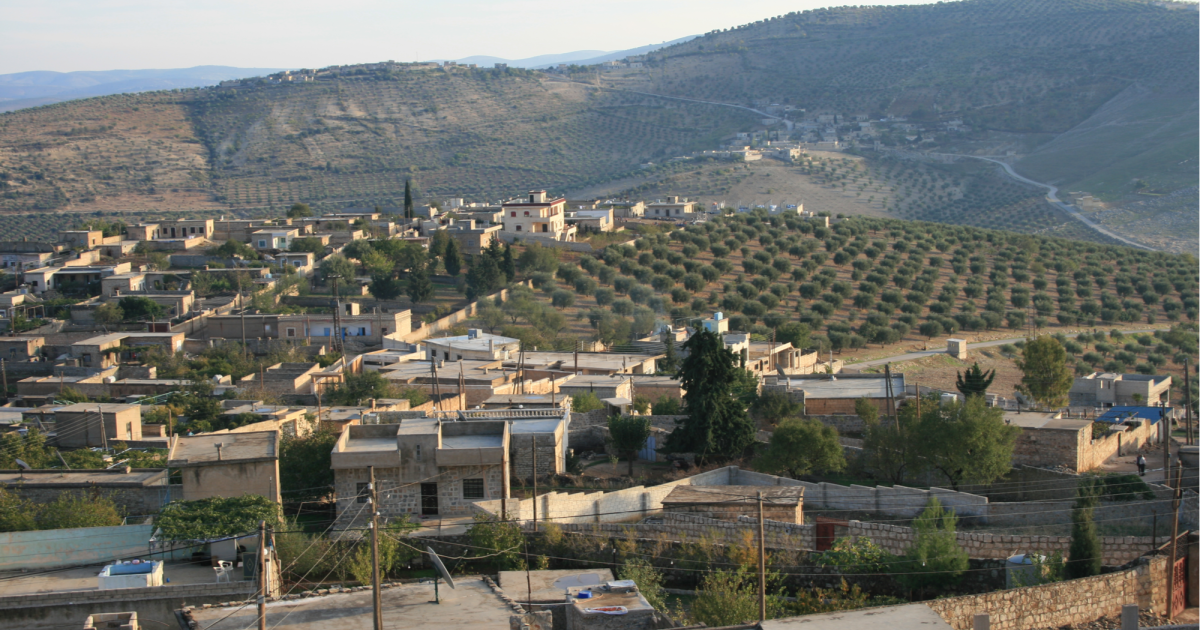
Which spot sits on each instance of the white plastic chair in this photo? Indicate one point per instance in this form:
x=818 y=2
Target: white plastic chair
x=224 y=569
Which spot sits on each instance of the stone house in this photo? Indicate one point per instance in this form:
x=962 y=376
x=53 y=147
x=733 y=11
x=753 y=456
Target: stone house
x=1050 y=440
x=109 y=350
x=829 y=394
x=366 y=328
x=21 y=348
x=539 y=216
x=1105 y=389
x=227 y=464
x=135 y=490
x=780 y=503
x=282 y=378
x=424 y=467
x=603 y=386
x=475 y=345
x=84 y=425
x=185 y=229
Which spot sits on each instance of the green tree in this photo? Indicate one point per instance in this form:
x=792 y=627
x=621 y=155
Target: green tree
x=437 y=243
x=774 y=406
x=648 y=579
x=337 y=266
x=408 y=200
x=452 y=259
x=585 y=402
x=483 y=277
x=501 y=540
x=628 y=434
x=108 y=314
x=535 y=257
x=1085 y=554
x=935 y=560
x=216 y=517
x=669 y=364
x=1046 y=378
x=386 y=287
x=17 y=514
x=716 y=425
x=966 y=442
x=307 y=244
x=69 y=510
x=420 y=288
x=866 y=411
x=137 y=308
x=975 y=382
x=800 y=446
x=795 y=333
x=299 y=210
x=304 y=464
x=490 y=317
x=507 y=266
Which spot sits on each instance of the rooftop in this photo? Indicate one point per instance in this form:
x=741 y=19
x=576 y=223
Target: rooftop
x=93 y=407
x=84 y=578
x=473 y=341
x=235 y=447
x=846 y=386
x=550 y=585
x=905 y=617
x=70 y=478
x=1121 y=414
x=471 y=605
x=1043 y=420
x=482 y=440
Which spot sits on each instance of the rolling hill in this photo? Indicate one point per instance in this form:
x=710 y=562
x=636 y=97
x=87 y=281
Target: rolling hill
x=1092 y=93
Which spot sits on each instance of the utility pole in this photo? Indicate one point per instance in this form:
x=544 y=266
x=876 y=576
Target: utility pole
x=4 y=374
x=242 y=303
x=103 y=429
x=533 y=449
x=762 y=563
x=918 y=384
x=335 y=344
x=1187 y=401
x=375 y=598
x=1178 y=483
x=262 y=575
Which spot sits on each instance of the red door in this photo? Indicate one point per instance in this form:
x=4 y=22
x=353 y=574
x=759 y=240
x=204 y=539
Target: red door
x=825 y=536
x=1179 y=586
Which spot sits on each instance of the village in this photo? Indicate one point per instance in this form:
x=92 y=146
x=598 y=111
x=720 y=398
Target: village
x=160 y=367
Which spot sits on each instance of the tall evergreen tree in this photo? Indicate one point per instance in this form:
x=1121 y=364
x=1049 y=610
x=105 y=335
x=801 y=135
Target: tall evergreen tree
x=1047 y=378
x=975 y=382
x=670 y=362
x=408 y=200
x=508 y=265
x=717 y=425
x=420 y=289
x=451 y=259
x=483 y=276
x=1085 y=554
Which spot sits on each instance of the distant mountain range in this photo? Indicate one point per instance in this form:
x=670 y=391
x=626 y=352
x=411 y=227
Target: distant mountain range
x=30 y=89
x=579 y=57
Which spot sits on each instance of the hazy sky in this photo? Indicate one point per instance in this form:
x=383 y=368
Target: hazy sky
x=66 y=35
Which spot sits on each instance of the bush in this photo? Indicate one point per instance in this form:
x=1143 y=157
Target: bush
x=216 y=517
x=935 y=559
x=585 y=402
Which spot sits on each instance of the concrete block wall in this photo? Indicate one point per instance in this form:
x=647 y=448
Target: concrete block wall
x=44 y=549
x=895 y=501
x=1026 y=513
x=1061 y=603
x=522 y=456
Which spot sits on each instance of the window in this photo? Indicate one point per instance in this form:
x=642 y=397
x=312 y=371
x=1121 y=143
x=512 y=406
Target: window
x=417 y=452
x=262 y=243
x=362 y=332
x=327 y=332
x=363 y=493
x=267 y=327
x=514 y=214
x=518 y=228
x=291 y=332
x=473 y=488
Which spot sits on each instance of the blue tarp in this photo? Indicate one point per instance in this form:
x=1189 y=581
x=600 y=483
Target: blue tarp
x=1121 y=414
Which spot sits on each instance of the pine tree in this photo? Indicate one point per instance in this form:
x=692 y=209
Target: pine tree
x=717 y=425
x=975 y=382
x=408 y=200
x=451 y=259
x=420 y=289
x=1085 y=554
x=670 y=362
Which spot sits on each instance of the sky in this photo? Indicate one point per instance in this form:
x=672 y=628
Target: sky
x=70 y=35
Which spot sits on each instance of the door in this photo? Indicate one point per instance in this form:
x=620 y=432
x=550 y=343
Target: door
x=1179 y=584
x=648 y=453
x=429 y=499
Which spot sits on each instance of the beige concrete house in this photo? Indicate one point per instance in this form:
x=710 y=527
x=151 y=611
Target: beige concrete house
x=672 y=208
x=282 y=378
x=476 y=345
x=21 y=348
x=538 y=216
x=1056 y=440
x=227 y=464
x=1106 y=389
x=84 y=425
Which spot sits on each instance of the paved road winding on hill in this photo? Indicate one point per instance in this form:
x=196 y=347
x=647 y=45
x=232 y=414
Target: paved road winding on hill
x=1052 y=197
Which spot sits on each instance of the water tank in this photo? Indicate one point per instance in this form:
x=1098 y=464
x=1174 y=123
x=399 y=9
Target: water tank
x=948 y=397
x=718 y=316
x=1019 y=571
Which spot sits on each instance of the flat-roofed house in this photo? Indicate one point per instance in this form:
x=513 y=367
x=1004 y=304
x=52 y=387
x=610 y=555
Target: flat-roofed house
x=84 y=425
x=1106 y=389
x=538 y=216
x=476 y=345
x=824 y=395
x=227 y=464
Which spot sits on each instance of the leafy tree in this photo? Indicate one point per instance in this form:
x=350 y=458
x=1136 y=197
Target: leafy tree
x=299 y=210
x=648 y=579
x=233 y=249
x=216 y=517
x=137 y=308
x=386 y=287
x=452 y=259
x=730 y=597
x=935 y=559
x=437 y=243
x=337 y=266
x=307 y=244
x=535 y=257
x=361 y=387
x=1085 y=554
x=716 y=425
x=966 y=442
x=585 y=402
x=484 y=276
x=800 y=446
x=70 y=510
x=17 y=514
x=393 y=556
x=628 y=435
x=304 y=463
x=108 y=314
x=1046 y=377
x=866 y=411
x=562 y=298
x=490 y=317
x=666 y=406
x=975 y=382
x=774 y=406
x=502 y=541
x=795 y=333
x=930 y=329
x=420 y=288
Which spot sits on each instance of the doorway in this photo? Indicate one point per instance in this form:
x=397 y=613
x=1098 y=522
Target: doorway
x=429 y=499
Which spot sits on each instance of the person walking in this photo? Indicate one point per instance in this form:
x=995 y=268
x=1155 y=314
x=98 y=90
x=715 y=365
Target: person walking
x=1141 y=464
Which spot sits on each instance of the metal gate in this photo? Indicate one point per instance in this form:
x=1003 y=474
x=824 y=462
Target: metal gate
x=648 y=453
x=1179 y=586
x=827 y=532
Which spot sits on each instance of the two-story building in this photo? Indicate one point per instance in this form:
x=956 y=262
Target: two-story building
x=539 y=216
x=671 y=208
x=273 y=239
x=1105 y=389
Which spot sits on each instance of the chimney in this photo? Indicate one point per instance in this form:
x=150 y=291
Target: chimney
x=219 y=445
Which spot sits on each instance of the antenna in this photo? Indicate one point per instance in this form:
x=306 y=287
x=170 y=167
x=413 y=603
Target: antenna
x=437 y=563
x=23 y=465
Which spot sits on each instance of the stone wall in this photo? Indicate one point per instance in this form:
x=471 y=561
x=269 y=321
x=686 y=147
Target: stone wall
x=130 y=501
x=1123 y=513
x=400 y=496
x=1061 y=603
x=548 y=453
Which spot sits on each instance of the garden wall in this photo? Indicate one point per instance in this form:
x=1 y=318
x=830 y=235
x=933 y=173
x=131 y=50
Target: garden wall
x=1061 y=603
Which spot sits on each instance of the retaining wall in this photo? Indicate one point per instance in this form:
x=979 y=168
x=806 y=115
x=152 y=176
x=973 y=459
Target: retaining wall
x=1061 y=603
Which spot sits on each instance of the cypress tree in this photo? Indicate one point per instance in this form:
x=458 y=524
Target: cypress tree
x=420 y=289
x=717 y=425
x=408 y=202
x=451 y=259
x=1085 y=553
x=507 y=265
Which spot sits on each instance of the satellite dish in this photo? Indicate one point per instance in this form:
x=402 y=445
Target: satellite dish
x=437 y=562
x=25 y=466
